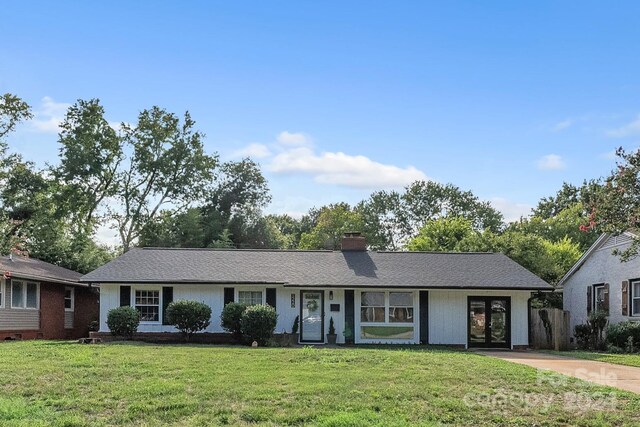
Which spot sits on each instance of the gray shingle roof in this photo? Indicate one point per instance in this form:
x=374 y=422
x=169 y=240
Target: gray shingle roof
x=318 y=268
x=34 y=269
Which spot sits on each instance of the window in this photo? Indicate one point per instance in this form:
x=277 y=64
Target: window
x=24 y=294
x=372 y=307
x=250 y=297
x=68 y=299
x=386 y=316
x=148 y=305
x=599 y=301
x=635 y=298
x=400 y=307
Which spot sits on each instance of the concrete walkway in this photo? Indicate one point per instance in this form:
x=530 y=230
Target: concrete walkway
x=622 y=377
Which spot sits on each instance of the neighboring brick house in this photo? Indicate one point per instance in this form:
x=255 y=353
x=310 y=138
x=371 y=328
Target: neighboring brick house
x=600 y=281
x=42 y=300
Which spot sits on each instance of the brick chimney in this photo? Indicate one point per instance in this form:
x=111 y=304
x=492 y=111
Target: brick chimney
x=354 y=242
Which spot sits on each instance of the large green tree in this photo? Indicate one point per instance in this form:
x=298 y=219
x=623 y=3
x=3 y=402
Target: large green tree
x=167 y=168
x=329 y=227
x=616 y=208
x=391 y=218
x=90 y=155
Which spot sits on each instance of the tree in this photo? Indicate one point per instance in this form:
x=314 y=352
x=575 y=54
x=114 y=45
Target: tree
x=90 y=155
x=444 y=234
x=333 y=221
x=167 y=168
x=616 y=208
x=13 y=110
x=392 y=218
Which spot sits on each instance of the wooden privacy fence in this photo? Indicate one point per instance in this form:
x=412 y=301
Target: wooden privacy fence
x=549 y=328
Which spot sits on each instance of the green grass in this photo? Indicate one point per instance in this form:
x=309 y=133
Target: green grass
x=67 y=384
x=618 y=359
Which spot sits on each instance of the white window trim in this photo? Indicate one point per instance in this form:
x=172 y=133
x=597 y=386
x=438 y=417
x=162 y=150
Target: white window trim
x=633 y=297
x=73 y=298
x=252 y=289
x=416 y=316
x=24 y=295
x=132 y=302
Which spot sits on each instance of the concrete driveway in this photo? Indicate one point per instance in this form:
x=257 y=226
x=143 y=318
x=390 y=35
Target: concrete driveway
x=608 y=374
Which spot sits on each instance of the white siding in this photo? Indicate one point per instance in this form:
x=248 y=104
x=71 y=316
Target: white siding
x=601 y=267
x=213 y=296
x=447 y=310
x=448 y=316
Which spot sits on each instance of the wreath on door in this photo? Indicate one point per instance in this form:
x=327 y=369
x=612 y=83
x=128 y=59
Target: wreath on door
x=312 y=305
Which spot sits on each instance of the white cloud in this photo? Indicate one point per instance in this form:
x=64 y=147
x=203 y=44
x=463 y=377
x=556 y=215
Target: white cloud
x=48 y=116
x=551 y=162
x=630 y=129
x=342 y=169
x=255 y=151
x=293 y=139
x=511 y=211
x=565 y=124
x=107 y=236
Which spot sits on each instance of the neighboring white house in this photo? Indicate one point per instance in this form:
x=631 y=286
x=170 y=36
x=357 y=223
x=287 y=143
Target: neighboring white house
x=600 y=281
x=460 y=299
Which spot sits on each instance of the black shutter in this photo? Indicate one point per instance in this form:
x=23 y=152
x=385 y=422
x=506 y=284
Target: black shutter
x=125 y=296
x=228 y=295
x=167 y=298
x=589 y=299
x=271 y=297
x=625 y=298
x=424 y=317
x=349 y=320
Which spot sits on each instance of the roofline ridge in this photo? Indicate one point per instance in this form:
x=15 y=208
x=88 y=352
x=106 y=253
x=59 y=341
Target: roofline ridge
x=156 y=248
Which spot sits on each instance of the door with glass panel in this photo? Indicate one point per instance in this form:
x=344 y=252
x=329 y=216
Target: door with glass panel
x=312 y=316
x=489 y=322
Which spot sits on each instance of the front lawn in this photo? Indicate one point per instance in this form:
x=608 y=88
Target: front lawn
x=67 y=384
x=619 y=359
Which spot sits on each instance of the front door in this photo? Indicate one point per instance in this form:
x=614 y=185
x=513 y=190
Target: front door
x=490 y=322
x=311 y=313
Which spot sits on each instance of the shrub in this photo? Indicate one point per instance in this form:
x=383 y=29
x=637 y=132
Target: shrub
x=231 y=317
x=332 y=328
x=623 y=333
x=296 y=323
x=123 y=321
x=189 y=317
x=94 y=326
x=258 y=323
x=598 y=321
x=583 y=336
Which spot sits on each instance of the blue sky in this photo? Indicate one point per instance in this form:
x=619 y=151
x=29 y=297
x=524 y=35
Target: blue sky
x=337 y=99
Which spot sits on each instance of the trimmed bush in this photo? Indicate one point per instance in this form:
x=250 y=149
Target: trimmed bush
x=258 y=323
x=189 y=317
x=619 y=334
x=231 y=318
x=583 y=336
x=123 y=321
